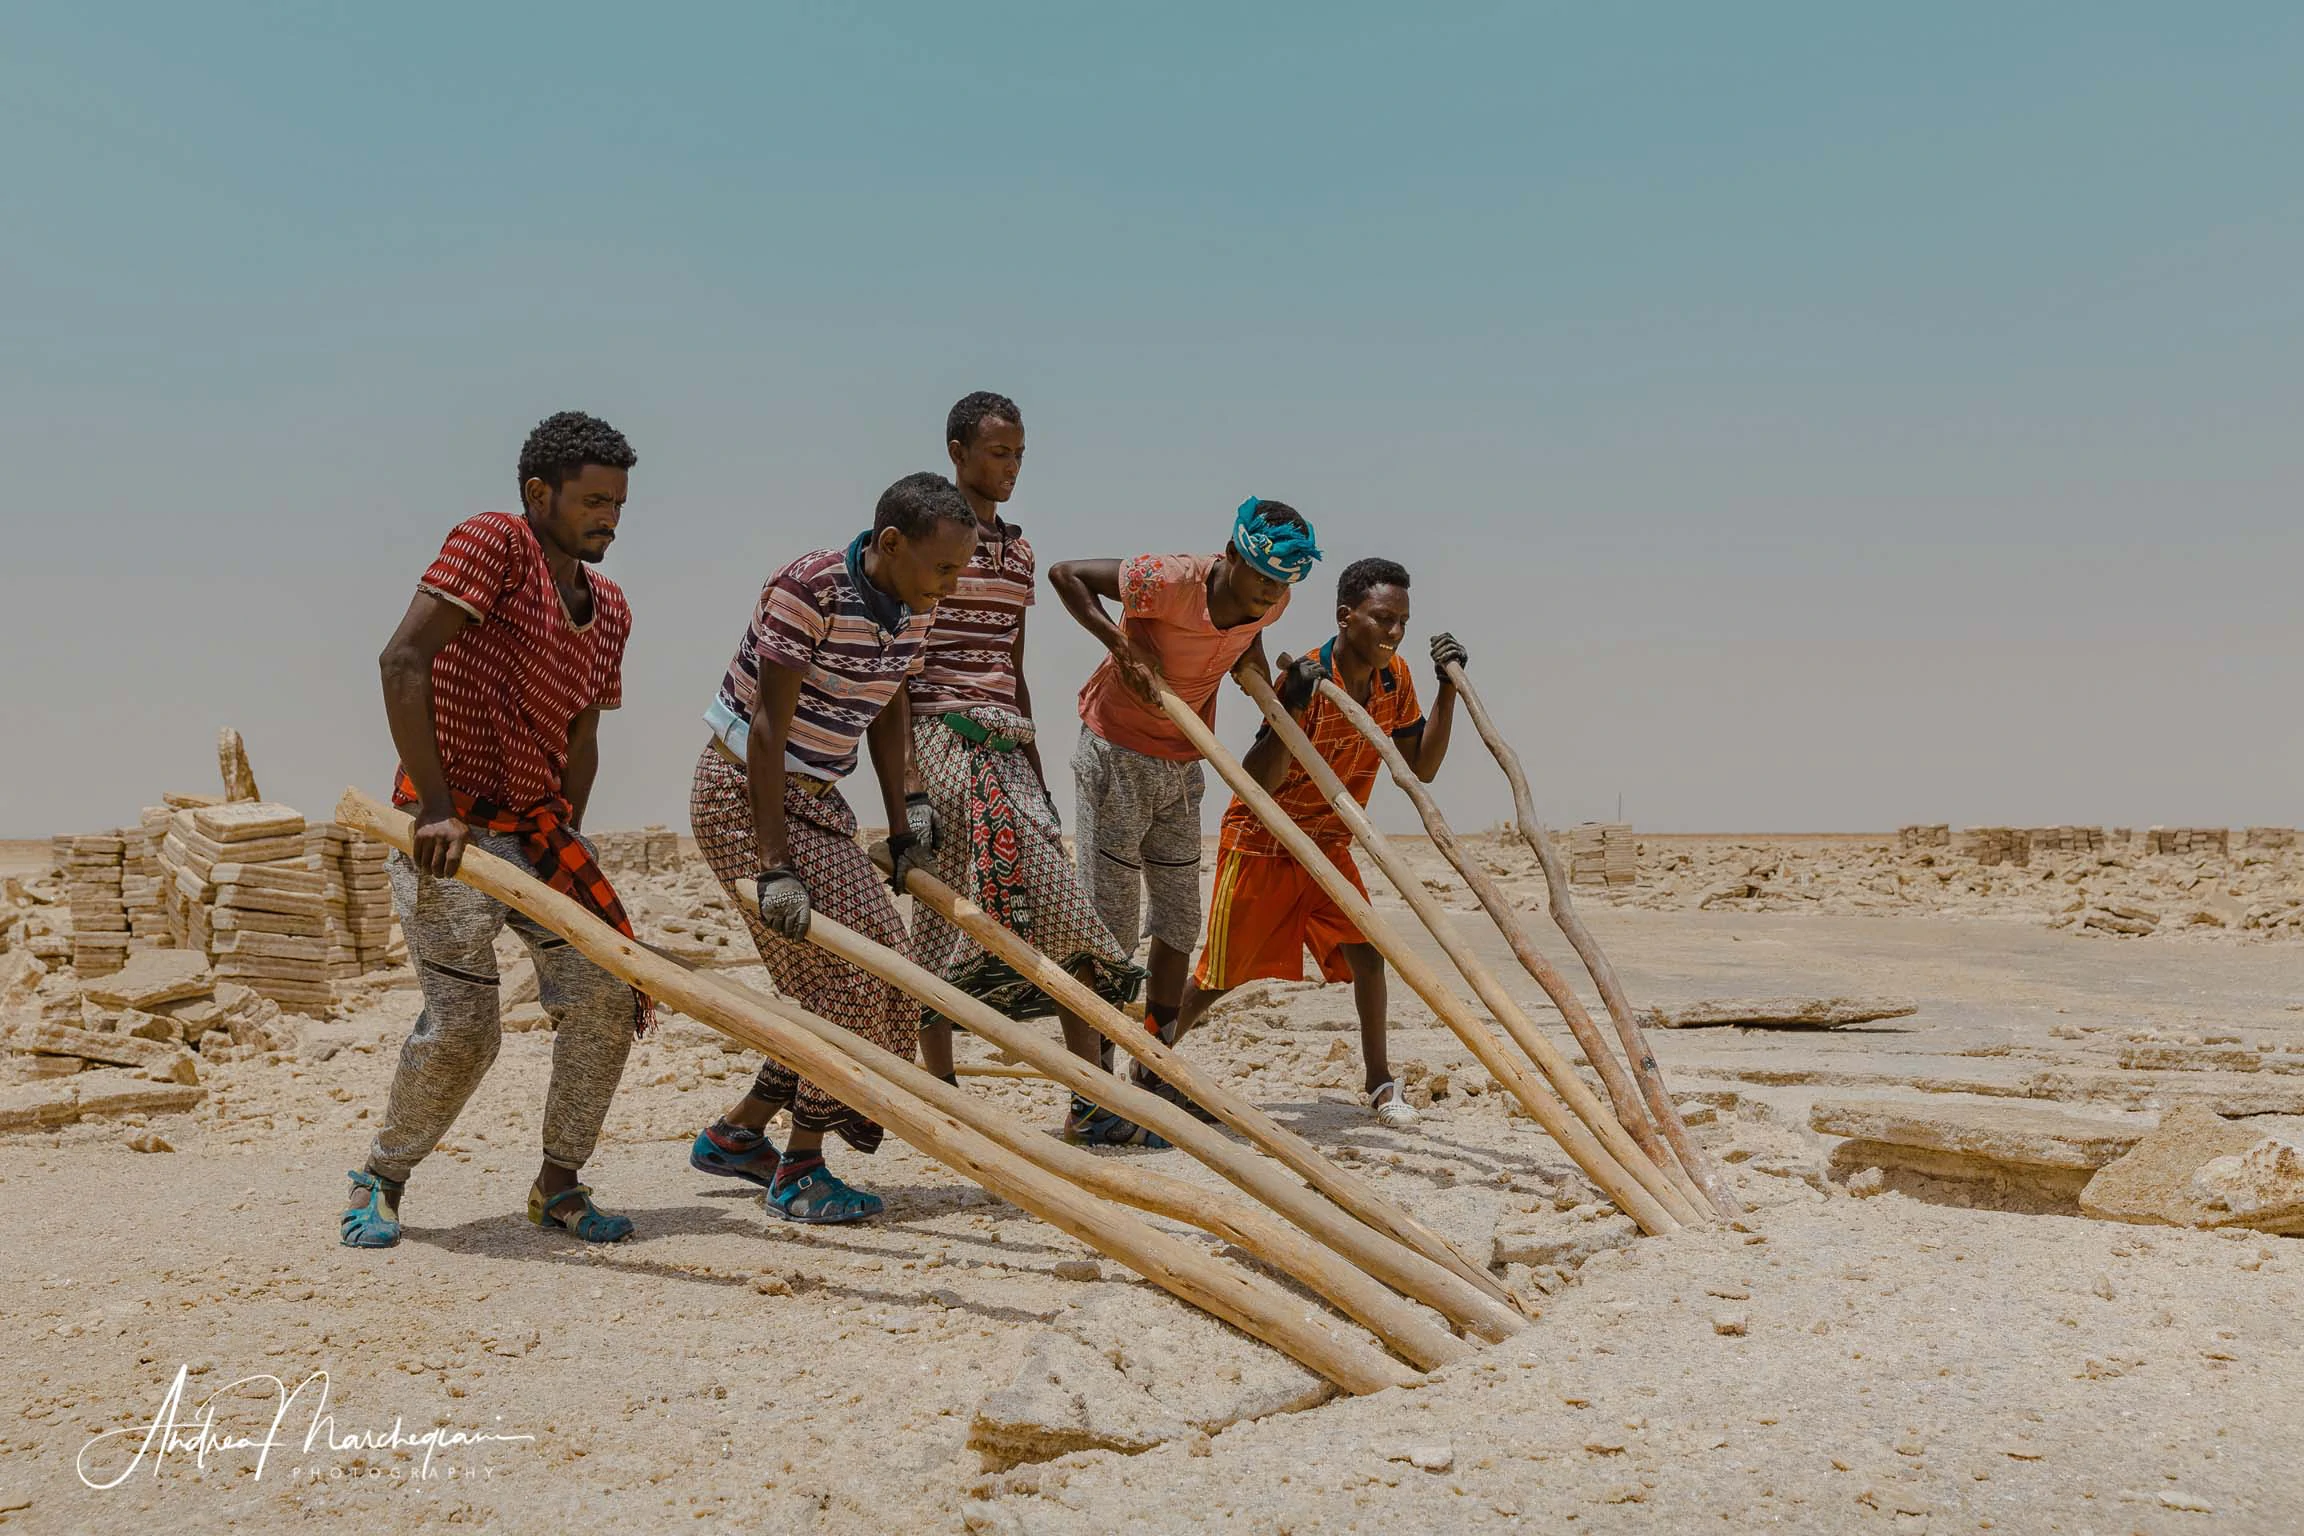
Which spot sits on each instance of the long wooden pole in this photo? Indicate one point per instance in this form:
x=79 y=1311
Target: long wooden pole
x=1693 y=1157
x=1388 y=1259
x=1348 y=1190
x=1622 y=1095
x=1250 y=1303
x=1563 y=1127
x=1408 y=1328
x=1501 y=1005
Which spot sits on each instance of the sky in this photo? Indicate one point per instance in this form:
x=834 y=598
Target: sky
x=1813 y=417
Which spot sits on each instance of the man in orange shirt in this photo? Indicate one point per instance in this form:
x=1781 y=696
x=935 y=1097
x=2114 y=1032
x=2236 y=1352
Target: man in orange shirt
x=1267 y=909
x=1186 y=621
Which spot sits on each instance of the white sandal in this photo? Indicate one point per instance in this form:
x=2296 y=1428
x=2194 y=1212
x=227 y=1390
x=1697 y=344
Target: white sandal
x=1394 y=1111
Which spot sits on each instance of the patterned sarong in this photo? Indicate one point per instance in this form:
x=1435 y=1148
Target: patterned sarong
x=999 y=845
x=820 y=845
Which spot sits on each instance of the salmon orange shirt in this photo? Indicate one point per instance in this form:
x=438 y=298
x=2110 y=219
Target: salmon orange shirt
x=1164 y=608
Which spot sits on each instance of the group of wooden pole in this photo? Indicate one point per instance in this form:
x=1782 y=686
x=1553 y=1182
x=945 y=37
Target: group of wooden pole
x=1291 y=1208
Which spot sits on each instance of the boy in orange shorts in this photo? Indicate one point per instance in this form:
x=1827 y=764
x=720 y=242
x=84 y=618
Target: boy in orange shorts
x=1267 y=909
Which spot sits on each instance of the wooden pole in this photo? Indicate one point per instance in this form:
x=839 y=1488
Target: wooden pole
x=1248 y=1302
x=1622 y=1095
x=1557 y=1069
x=1388 y=1259
x=1693 y=1157
x=996 y=1069
x=1580 y=1145
x=1353 y=1193
x=1408 y=1328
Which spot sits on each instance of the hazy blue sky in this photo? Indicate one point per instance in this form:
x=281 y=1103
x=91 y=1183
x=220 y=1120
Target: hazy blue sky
x=1813 y=416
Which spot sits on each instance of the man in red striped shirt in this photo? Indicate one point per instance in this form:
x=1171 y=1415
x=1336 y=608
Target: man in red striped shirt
x=493 y=685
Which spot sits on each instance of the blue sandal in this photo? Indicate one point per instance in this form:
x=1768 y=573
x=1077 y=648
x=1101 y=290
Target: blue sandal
x=590 y=1223
x=757 y=1164
x=819 y=1198
x=375 y=1221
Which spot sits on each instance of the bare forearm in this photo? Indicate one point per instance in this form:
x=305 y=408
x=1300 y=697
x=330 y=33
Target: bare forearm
x=1267 y=761
x=408 y=711
x=1433 y=749
x=890 y=740
x=583 y=768
x=764 y=787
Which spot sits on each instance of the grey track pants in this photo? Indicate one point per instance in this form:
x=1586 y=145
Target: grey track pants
x=451 y=931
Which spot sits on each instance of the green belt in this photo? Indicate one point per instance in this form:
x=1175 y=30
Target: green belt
x=968 y=729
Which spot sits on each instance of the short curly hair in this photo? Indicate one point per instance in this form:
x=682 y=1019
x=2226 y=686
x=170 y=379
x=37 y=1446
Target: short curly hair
x=565 y=442
x=917 y=503
x=969 y=415
x=1362 y=576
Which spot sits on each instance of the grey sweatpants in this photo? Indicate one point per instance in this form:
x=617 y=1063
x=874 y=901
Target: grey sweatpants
x=451 y=931
x=1136 y=833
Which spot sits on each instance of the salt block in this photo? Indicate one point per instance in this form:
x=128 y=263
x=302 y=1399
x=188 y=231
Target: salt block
x=1780 y=1012
x=164 y=1060
x=1128 y=1372
x=1997 y=1133
x=247 y=820
x=2152 y=1183
x=123 y=1093
x=153 y=977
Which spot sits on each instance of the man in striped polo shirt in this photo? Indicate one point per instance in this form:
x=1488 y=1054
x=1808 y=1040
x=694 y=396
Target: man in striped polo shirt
x=493 y=686
x=998 y=840
x=822 y=666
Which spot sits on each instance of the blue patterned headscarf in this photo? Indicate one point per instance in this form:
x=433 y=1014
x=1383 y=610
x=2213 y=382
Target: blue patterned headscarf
x=1282 y=551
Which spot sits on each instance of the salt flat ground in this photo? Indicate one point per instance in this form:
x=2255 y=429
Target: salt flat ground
x=1905 y=1365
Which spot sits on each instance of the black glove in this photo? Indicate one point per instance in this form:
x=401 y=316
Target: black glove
x=784 y=905
x=1298 y=679
x=905 y=854
x=919 y=820
x=1447 y=648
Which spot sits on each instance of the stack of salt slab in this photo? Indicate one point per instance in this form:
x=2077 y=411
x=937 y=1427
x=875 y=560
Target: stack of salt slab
x=252 y=900
x=1924 y=834
x=357 y=895
x=92 y=872
x=140 y=880
x=2060 y=840
x=1997 y=845
x=1602 y=853
x=2217 y=840
x=651 y=850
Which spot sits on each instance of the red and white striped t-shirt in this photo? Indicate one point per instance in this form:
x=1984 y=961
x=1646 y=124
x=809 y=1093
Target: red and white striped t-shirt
x=971 y=657
x=506 y=690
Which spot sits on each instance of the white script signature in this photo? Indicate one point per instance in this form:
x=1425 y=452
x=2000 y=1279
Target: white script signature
x=181 y=1430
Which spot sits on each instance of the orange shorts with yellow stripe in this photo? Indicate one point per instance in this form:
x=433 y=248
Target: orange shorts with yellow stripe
x=1265 y=913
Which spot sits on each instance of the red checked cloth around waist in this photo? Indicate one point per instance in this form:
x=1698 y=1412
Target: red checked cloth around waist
x=560 y=860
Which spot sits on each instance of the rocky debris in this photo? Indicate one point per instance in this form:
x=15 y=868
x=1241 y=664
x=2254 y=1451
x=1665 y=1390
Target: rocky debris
x=91 y=1095
x=1548 y=1238
x=2153 y=1181
x=1128 y=1372
x=153 y=977
x=164 y=1061
x=1779 y=1012
x=2151 y=1056
x=2262 y=1187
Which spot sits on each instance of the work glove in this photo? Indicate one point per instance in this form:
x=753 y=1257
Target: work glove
x=1055 y=817
x=1298 y=679
x=784 y=905
x=1447 y=648
x=920 y=820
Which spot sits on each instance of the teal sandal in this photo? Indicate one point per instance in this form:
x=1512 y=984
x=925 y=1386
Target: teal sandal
x=590 y=1223
x=375 y=1221
x=819 y=1198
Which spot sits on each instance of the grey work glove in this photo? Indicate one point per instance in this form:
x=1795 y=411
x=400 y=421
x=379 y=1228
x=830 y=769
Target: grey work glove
x=784 y=904
x=1447 y=648
x=920 y=820
x=1298 y=679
